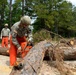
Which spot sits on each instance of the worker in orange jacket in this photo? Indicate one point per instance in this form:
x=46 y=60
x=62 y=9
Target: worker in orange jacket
x=18 y=40
x=5 y=36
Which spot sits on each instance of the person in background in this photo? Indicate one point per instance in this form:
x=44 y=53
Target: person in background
x=5 y=36
x=18 y=41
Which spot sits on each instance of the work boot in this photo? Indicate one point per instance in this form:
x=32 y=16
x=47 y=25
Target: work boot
x=18 y=65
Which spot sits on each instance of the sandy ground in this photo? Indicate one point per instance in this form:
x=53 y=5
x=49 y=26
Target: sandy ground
x=4 y=65
x=46 y=69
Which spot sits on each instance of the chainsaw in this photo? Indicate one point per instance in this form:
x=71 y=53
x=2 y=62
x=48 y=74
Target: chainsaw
x=19 y=64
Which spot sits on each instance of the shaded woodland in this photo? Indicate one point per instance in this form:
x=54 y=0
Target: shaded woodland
x=58 y=16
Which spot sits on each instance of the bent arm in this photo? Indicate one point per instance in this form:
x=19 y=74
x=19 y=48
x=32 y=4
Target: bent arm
x=14 y=35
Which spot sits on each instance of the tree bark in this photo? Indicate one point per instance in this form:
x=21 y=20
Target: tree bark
x=10 y=13
x=68 y=52
x=23 y=7
x=4 y=51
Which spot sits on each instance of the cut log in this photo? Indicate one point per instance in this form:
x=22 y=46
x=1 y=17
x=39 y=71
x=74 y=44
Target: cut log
x=69 y=53
x=4 y=51
x=70 y=42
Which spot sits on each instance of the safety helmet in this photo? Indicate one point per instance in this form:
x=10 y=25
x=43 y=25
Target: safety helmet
x=6 y=24
x=26 y=20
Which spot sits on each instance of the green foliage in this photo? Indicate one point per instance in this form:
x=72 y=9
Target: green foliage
x=56 y=15
x=72 y=28
x=18 y=1
x=41 y=35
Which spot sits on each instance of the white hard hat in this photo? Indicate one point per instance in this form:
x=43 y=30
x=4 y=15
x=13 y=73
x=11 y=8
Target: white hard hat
x=26 y=19
x=6 y=24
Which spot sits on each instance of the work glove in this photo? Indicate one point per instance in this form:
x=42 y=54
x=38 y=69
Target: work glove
x=30 y=43
x=19 y=49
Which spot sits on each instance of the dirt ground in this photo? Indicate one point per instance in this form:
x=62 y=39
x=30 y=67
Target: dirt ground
x=4 y=65
x=46 y=69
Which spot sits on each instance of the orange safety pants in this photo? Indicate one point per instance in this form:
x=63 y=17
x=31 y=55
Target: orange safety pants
x=5 y=41
x=13 y=49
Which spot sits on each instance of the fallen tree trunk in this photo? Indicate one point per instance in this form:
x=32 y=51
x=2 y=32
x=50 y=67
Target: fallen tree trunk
x=69 y=53
x=32 y=61
x=4 y=51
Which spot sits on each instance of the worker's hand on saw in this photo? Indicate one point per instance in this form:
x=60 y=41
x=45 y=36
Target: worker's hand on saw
x=19 y=49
